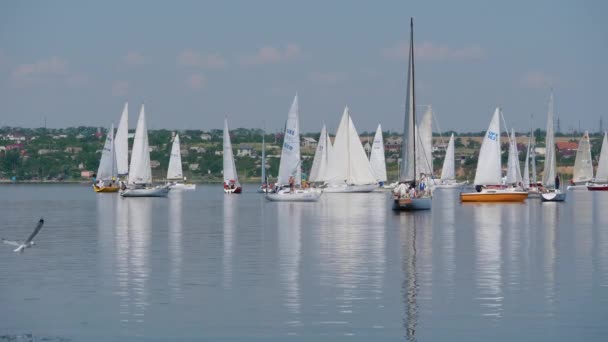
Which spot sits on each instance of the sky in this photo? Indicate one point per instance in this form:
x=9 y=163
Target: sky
x=75 y=63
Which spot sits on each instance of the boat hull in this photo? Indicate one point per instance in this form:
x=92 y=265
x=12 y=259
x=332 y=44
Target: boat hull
x=350 y=188
x=494 y=196
x=182 y=186
x=146 y=192
x=297 y=196
x=553 y=196
x=412 y=204
x=597 y=187
x=236 y=190
x=105 y=189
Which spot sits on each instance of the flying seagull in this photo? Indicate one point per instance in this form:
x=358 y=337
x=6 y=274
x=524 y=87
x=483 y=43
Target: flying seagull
x=27 y=243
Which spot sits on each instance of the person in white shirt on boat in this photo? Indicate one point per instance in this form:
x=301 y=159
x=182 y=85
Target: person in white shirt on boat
x=401 y=190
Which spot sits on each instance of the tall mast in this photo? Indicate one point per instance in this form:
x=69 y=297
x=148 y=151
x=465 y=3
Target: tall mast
x=413 y=91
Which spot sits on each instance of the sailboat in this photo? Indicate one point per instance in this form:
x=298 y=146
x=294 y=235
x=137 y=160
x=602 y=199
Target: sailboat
x=404 y=198
x=552 y=191
x=140 y=174
x=290 y=176
x=514 y=178
x=376 y=157
x=424 y=148
x=231 y=179
x=121 y=144
x=264 y=187
x=320 y=162
x=106 y=180
x=488 y=176
x=448 y=172
x=349 y=169
x=601 y=177
x=530 y=184
x=583 y=168
x=175 y=174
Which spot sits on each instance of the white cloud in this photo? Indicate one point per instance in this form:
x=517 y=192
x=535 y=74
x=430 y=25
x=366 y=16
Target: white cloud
x=327 y=77
x=272 y=55
x=42 y=69
x=193 y=58
x=537 y=80
x=196 y=81
x=134 y=58
x=120 y=88
x=429 y=51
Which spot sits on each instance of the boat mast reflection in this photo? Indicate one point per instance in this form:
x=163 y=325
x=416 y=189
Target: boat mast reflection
x=175 y=242
x=230 y=211
x=289 y=226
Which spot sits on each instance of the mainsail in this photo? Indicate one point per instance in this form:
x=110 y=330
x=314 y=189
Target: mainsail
x=513 y=167
x=408 y=147
x=602 y=167
x=526 y=176
x=107 y=163
x=448 y=172
x=549 y=173
x=583 y=168
x=488 y=164
x=229 y=166
x=424 y=144
x=140 y=170
x=175 y=161
x=290 y=154
x=376 y=158
x=320 y=162
x=121 y=142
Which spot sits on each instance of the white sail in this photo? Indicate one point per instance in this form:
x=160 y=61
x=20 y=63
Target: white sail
x=229 y=165
x=488 y=164
x=424 y=144
x=290 y=154
x=140 y=170
x=513 y=167
x=583 y=168
x=348 y=161
x=526 y=175
x=321 y=159
x=448 y=172
x=602 y=166
x=549 y=172
x=407 y=148
x=107 y=163
x=175 y=161
x=376 y=158
x=533 y=160
x=121 y=142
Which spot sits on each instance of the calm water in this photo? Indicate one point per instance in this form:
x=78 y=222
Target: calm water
x=204 y=265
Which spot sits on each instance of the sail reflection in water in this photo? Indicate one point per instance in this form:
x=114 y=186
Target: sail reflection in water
x=230 y=214
x=549 y=212
x=133 y=226
x=289 y=225
x=175 y=242
x=488 y=231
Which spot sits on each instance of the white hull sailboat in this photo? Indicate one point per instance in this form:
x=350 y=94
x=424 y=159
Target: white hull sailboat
x=582 y=174
x=140 y=175
x=175 y=176
x=488 y=175
x=320 y=163
x=231 y=178
x=349 y=169
x=377 y=159
x=106 y=177
x=414 y=198
x=552 y=192
x=289 y=181
x=601 y=177
x=448 y=171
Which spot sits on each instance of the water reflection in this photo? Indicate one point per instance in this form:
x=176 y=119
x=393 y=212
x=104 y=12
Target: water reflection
x=411 y=225
x=488 y=265
x=288 y=225
x=448 y=232
x=549 y=214
x=175 y=242
x=230 y=212
x=132 y=232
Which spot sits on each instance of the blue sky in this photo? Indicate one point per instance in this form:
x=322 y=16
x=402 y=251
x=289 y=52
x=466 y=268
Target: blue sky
x=192 y=63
